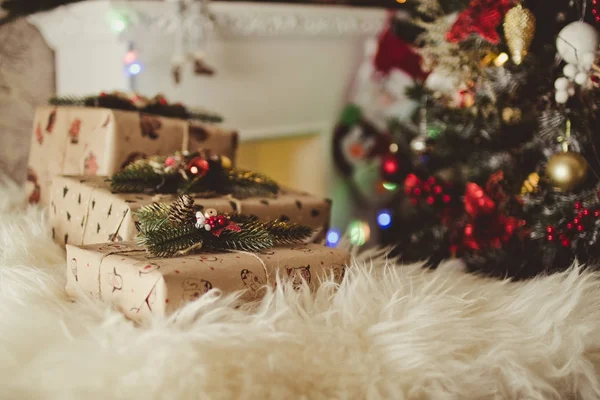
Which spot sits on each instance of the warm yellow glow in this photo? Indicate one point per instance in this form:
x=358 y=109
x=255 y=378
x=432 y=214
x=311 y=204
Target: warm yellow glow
x=194 y=170
x=501 y=59
x=393 y=148
x=401 y=1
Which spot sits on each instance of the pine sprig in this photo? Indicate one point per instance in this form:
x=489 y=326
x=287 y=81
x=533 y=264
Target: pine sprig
x=118 y=101
x=153 y=176
x=168 y=230
x=138 y=177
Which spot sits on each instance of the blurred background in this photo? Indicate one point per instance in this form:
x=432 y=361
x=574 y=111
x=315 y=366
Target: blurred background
x=281 y=73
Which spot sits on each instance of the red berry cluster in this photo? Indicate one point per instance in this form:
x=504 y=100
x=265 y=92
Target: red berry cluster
x=582 y=221
x=218 y=222
x=430 y=190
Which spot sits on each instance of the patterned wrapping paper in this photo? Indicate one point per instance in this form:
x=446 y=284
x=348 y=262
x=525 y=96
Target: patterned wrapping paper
x=83 y=210
x=100 y=141
x=140 y=285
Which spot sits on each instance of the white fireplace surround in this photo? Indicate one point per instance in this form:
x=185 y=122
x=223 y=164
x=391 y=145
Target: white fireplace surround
x=281 y=69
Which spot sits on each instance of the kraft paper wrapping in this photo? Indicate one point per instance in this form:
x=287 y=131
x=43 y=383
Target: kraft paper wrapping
x=140 y=285
x=83 y=210
x=100 y=141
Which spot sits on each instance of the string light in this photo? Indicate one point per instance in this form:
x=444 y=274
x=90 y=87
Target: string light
x=359 y=232
x=501 y=59
x=390 y=186
x=332 y=238
x=130 y=57
x=390 y=166
x=134 y=69
x=117 y=22
x=393 y=148
x=384 y=219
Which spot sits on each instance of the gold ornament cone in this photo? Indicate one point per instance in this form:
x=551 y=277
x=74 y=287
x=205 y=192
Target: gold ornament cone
x=519 y=29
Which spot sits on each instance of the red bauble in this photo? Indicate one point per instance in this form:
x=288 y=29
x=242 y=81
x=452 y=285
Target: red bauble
x=578 y=205
x=198 y=167
x=221 y=220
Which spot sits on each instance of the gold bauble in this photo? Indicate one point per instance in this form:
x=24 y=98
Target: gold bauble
x=530 y=185
x=519 y=29
x=566 y=170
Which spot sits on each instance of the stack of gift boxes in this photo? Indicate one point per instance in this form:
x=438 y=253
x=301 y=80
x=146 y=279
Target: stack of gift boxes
x=78 y=146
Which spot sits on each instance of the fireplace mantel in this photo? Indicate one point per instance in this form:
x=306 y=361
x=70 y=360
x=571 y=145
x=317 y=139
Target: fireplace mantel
x=281 y=69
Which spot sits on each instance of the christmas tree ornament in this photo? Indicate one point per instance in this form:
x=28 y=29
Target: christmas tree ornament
x=587 y=60
x=575 y=40
x=581 y=78
x=561 y=84
x=519 y=29
x=482 y=18
x=570 y=70
x=561 y=96
x=530 y=185
x=198 y=167
x=566 y=170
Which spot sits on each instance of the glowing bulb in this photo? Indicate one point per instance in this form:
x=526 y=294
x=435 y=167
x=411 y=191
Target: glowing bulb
x=194 y=170
x=390 y=166
x=501 y=59
x=390 y=186
x=117 y=25
x=358 y=232
x=134 y=69
x=333 y=237
x=393 y=148
x=130 y=57
x=561 y=172
x=401 y=1
x=384 y=219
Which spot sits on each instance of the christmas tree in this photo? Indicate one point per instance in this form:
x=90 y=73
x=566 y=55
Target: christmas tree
x=499 y=165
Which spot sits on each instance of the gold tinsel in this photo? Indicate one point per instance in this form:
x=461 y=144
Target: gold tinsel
x=519 y=29
x=530 y=185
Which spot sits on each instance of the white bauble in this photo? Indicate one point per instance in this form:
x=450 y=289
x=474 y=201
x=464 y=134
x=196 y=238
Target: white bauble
x=561 y=83
x=570 y=70
x=581 y=78
x=587 y=60
x=442 y=80
x=575 y=40
x=561 y=96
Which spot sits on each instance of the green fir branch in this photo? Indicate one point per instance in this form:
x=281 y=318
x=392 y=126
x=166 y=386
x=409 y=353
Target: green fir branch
x=138 y=177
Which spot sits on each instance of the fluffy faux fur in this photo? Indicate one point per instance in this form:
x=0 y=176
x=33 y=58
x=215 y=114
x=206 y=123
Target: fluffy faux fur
x=389 y=332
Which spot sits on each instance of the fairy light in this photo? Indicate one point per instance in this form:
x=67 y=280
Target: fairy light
x=130 y=57
x=333 y=238
x=358 y=232
x=390 y=186
x=384 y=219
x=501 y=59
x=117 y=22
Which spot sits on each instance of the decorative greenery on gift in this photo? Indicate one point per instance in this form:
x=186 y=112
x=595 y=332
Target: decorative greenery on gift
x=182 y=227
x=191 y=173
x=158 y=105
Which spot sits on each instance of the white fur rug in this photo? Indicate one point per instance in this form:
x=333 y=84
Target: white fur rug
x=389 y=332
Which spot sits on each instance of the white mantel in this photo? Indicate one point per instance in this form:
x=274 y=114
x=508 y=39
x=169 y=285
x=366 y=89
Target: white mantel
x=281 y=69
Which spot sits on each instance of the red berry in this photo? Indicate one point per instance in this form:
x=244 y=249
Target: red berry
x=565 y=242
x=431 y=180
x=417 y=192
x=221 y=220
x=576 y=221
x=427 y=188
x=580 y=228
x=586 y=212
x=550 y=229
x=446 y=198
x=570 y=225
x=550 y=238
x=597 y=213
x=437 y=189
x=430 y=200
x=578 y=205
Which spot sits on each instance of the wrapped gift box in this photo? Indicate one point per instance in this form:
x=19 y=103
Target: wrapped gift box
x=100 y=141
x=140 y=285
x=83 y=210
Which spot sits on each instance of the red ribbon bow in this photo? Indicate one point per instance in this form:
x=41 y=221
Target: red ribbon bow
x=482 y=18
